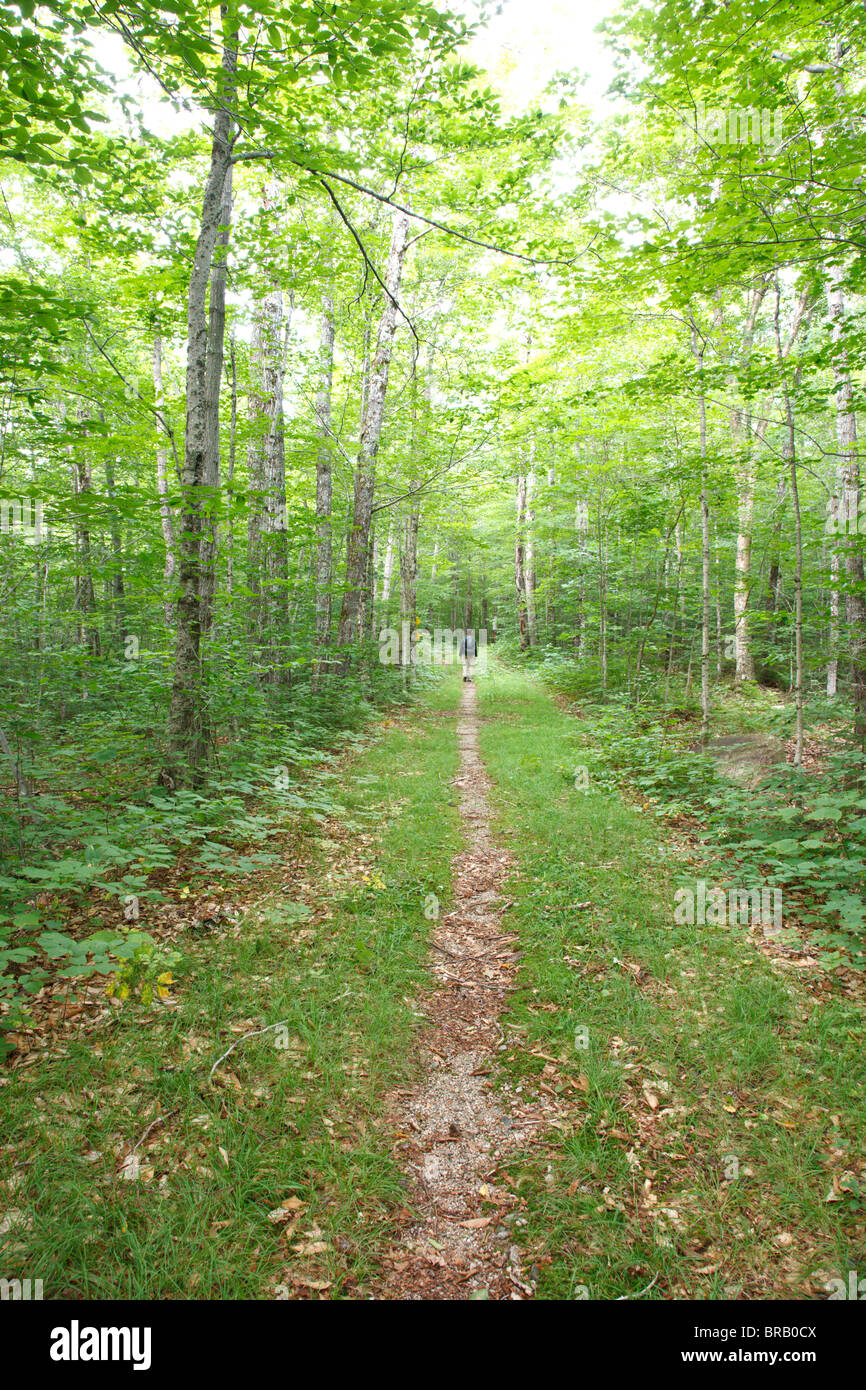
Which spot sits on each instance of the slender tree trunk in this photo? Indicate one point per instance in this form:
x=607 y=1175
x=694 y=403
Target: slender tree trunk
x=165 y=513
x=602 y=589
x=772 y=598
x=324 y=486
x=188 y=732
x=833 y=631
x=85 y=596
x=371 y=431
x=698 y=351
x=213 y=384
x=848 y=508
x=520 y=563
x=790 y=452
x=230 y=471
x=717 y=586
x=408 y=583
x=798 y=584
x=530 y=568
x=367 y=606
x=745 y=481
x=773 y=595
x=118 y=592
x=745 y=512
x=388 y=571
x=267 y=563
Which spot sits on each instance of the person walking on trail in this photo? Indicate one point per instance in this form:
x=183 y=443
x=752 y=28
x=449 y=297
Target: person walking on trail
x=468 y=653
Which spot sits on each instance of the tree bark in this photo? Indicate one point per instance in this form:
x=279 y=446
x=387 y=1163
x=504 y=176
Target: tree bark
x=371 y=431
x=790 y=453
x=268 y=559
x=698 y=351
x=230 y=471
x=165 y=513
x=408 y=582
x=848 y=507
x=213 y=384
x=745 y=481
x=520 y=562
x=188 y=734
x=118 y=590
x=324 y=485
x=388 y=569
x=530 y=572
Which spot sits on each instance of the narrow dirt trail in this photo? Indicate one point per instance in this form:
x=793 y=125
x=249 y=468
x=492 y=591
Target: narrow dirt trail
x=453 y=1130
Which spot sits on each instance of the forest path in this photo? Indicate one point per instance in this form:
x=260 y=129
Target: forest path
x=452 y=1131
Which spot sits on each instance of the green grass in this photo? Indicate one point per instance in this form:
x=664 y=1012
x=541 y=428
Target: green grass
x=753 y=1070
x=290 y=1114
x=703 y=1058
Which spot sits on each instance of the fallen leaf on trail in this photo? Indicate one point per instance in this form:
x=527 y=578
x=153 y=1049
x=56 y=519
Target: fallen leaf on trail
x=130 y=1168
x=650 y=1097
x=839 y=1189
x=303 y=1281
x=476 y=1223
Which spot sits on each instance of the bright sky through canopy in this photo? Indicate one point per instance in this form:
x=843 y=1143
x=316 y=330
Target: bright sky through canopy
x=525 y=44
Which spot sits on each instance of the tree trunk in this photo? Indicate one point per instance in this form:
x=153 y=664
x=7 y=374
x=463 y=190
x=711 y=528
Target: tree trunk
x=833 y=631
x=520 y=563
x=188 y=732
x=230 y=471
x=268 y=559
x=324 y=486
x=705 y=542
x=213 y=384
x=848 y=509
x=165 y=513
x=371 y=431
x=408 y=584
x=745 y=511
x=790 y=453
x=388 y=571
x=745 y=481
x=530 y=572
x=602 y=587
x=85 y=597
x=118 y=593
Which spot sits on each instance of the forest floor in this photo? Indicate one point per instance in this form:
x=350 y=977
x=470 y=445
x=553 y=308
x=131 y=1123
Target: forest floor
x=472 y=1056
x=460 y=1129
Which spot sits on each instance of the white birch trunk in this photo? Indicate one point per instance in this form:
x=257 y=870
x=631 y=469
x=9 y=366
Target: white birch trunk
x=371 y=431
x=324 y=483
x=165 y=514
